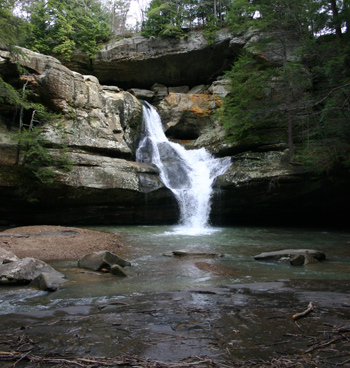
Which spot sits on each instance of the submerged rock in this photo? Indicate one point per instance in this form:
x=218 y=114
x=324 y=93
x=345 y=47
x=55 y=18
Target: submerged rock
x=288 y=254
x=101 y=260
x=193 y=252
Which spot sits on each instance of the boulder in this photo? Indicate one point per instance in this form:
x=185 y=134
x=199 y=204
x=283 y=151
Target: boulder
x=160 y=92
x=179 y=89
x=142 y=94
x=47 y=281
x=27 y=269
x=220 y=88
x=297 y=260
x=187 y=116
x=198 y=89
x=7 y=257
x=288 y=254
x=118 y=271
x=101 y=260
x=303 y=259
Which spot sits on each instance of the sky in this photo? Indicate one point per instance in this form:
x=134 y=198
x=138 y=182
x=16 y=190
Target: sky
x=134 y=14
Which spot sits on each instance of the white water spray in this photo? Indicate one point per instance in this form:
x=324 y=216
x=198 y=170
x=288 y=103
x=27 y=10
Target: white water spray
x=188 y=174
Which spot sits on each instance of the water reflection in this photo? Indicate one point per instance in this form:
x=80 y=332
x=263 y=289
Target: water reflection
x=144 y=247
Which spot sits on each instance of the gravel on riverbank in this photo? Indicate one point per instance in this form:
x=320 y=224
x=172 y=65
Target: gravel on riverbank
x=57 y=242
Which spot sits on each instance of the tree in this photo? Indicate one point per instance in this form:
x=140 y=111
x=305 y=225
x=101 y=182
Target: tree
x=313 y=86
x=117 y=11
x=60 y=27
x=13 y=29
x=164 y=18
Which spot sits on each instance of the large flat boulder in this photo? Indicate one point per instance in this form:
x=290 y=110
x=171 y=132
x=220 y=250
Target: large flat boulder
x=288 y=254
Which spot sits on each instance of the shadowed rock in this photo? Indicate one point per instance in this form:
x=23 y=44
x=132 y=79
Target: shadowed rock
x=98 y=260
x=288 y=254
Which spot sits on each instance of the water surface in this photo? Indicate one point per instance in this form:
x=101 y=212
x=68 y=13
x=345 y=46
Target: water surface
x=152 y=271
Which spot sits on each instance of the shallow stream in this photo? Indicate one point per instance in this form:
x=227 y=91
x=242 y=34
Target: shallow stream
x=152 y=271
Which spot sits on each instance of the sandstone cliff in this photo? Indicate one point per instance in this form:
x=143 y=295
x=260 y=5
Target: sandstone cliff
x=100 y=126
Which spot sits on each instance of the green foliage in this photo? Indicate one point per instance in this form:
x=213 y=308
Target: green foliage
x=37 y=158
x=162 y=20
x=64 y=26
x=13 y=30
x=210 y=30
x=312 y=91
x=9 y=95
x=245 y=107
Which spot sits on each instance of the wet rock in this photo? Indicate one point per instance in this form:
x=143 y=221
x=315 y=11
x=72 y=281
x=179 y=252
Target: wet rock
x=7 y=257
x=118 y=271
x=47 y=281
x=309 y=258
x=98 y=260
x=179 y=89
x=27 y=269
x=142 y=94
x=298 y=260
x=198 y=89
x=288 y=254
x=194 y=252
x=303 y=259
x=160 y=91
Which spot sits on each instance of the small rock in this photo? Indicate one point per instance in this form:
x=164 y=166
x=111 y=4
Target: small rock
x=298 y=260
x=118 y=271
x=142 y=94
x=47 y=281
x=96 y=261
x=7 y=257
x=180 y=89
x=309 y=258
x=160 y=91
x=198 y=89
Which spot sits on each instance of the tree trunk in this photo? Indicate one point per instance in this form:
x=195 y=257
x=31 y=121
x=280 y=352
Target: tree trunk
x=336 y=19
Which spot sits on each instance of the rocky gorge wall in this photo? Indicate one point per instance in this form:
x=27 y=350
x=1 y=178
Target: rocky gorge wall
x=100 y=126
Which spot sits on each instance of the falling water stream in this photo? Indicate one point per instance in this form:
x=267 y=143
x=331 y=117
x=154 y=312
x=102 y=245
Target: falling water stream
x=189 y=174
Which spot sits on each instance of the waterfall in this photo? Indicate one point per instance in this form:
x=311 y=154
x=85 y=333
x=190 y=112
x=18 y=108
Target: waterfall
x=189 y=174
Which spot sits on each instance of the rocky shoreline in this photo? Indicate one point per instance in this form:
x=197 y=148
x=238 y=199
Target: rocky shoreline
x=234 y=326
x=57 y=242
x=244 y=325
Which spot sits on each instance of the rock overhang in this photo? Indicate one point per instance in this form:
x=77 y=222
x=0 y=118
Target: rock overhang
x=140 y=61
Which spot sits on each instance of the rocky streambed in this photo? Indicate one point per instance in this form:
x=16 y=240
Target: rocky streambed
x=232 y=325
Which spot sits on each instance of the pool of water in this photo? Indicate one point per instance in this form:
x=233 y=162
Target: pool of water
x=151 y=270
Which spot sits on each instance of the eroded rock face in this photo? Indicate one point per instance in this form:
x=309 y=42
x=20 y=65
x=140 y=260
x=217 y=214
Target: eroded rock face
x=140 y=61
x=99 y=125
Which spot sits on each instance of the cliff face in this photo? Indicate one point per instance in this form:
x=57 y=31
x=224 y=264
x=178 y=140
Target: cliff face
x=140 y=62
x=100 y=126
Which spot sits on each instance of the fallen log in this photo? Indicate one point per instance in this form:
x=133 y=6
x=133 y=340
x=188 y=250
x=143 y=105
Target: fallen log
x=309 y=309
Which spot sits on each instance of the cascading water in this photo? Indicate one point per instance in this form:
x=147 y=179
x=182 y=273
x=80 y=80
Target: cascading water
x=189 y=174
